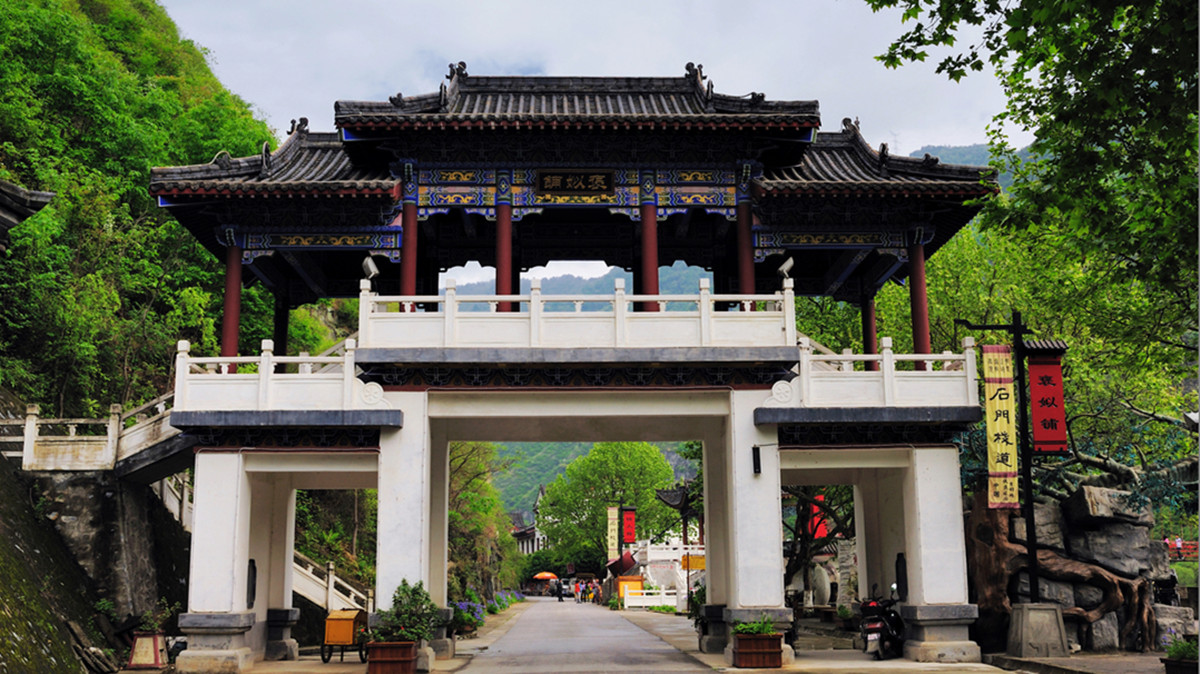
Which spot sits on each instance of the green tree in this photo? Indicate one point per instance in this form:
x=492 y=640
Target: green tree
x=483 y=553
x=573 y=515
x=1109 y=90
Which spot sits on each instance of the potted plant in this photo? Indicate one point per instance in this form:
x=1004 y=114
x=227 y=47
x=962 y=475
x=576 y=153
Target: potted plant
x=846 y=617
x=149 y=649
x=392 y=642
x=757 y=644
x=1181 y=654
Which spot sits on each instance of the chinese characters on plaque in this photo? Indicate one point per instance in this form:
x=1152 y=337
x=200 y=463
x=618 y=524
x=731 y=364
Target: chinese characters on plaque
x=1046 y=405
x=1002 y=443
x=628 y=525
x=576 y=183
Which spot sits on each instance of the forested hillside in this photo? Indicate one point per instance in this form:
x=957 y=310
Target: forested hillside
x=98 y=286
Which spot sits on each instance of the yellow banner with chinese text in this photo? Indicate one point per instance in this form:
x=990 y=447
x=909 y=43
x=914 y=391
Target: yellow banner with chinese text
x=1000 y=410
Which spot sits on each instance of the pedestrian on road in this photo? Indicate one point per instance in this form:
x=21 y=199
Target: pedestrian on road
x=576 y=592
x=559 y=590
x=1178 y=547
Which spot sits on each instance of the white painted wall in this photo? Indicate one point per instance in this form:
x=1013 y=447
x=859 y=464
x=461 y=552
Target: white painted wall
x=404 y=490
x=220 y=534
x=937 y=565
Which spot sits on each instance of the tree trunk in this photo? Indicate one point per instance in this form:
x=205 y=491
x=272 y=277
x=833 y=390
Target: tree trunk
x=994 y=559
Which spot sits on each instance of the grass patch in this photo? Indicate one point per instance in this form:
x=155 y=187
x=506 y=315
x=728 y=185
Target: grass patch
x=1185 y=572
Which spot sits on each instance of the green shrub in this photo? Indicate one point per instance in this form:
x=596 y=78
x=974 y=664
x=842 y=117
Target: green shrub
x=763 y=625
x=1186 y=573
x=412 y=617
x=1179 y=647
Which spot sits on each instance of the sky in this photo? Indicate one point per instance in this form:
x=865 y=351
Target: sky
x=295 y=59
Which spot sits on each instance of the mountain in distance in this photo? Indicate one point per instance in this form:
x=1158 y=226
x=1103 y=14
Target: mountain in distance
x=968 y=155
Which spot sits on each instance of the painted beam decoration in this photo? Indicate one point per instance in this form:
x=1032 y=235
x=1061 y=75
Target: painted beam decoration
x=1046 y=405
x=1000 y=410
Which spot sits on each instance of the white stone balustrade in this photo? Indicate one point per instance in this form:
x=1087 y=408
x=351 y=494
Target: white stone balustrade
x=831 y=380
x=402 y=322
x=222 y=383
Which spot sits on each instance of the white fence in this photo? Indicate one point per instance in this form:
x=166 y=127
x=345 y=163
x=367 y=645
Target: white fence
x=648 y=598
x=322 y=586
x=560 y=321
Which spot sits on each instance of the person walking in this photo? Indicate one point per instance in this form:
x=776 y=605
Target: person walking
x=558 y=589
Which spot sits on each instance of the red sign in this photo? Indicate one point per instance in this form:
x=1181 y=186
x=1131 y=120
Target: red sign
x=1046 y=406
x=816 y=522
x=628 y=521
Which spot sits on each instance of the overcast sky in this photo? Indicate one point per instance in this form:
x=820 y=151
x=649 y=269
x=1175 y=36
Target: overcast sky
x=295 y=59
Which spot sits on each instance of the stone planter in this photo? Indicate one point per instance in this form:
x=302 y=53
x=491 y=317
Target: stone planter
x=392 y=657
x=758 y=650
x=1179 y=666
x=149 y=651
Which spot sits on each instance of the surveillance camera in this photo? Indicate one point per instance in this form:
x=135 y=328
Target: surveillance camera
x=369 y=268
x=786 y=267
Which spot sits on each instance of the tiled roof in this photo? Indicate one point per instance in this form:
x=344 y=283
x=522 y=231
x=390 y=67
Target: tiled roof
x=18 y=203
x=842 y=163
x=471 y=101
x=306 y=163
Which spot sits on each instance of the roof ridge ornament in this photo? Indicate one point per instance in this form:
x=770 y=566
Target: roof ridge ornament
x=848 y=125
x=301 y=126
x=883 y=159
x=397 y=100
x=265 y=167
x=457 y=70
x=223 y=160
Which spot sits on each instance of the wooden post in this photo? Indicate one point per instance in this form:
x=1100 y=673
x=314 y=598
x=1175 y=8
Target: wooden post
x=280 y=331
x=408 y=249
x=232 y=310
x=649 y=275
x=919 y=301
x=870 y=336
x=504 y=275
x=745 y=249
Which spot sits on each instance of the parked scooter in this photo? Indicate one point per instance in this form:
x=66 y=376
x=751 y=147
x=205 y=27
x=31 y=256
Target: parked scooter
x=881 y=626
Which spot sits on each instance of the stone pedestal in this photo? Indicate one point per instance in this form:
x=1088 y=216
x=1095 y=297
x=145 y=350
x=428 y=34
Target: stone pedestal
x=1037 y=631
x=280 y=644
x=216 y=642
x=442 y=643
x=939 y=633
x=716 y=630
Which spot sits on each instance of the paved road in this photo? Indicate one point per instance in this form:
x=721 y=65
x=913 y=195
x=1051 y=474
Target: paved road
x=567 y=637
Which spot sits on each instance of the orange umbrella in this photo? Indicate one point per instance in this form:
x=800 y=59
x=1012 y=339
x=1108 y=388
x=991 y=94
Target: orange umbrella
x=545 y=575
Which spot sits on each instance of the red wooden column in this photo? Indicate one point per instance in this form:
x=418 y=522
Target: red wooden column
x=504 y=247
x=231 y=318
x=745 y=249
x=648 y=198
x=918 y=300
x=870 y=335
x=408 y=249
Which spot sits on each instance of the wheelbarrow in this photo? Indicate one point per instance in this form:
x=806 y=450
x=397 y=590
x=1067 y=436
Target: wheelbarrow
x=345 y=629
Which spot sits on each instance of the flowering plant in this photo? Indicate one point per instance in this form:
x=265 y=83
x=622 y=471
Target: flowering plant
x=1179 y=648
x=468 y=615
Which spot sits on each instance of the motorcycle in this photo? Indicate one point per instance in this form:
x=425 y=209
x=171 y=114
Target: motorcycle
x=882 y=627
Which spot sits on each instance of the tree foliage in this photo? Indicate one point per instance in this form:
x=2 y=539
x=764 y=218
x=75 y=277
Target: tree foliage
x=573 y=515
x=1109 y=90
x=99 y=285
x=482 y=551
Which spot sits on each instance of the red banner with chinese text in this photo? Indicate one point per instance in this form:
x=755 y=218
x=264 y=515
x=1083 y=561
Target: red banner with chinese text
x=628 y=522
x=1046 y=406
x=1001 y=418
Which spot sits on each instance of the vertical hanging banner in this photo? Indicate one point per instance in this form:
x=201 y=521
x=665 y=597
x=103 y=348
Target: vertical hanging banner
x=614 y=528
x=1046 y=405
x=628 y=525
x=1002 y=443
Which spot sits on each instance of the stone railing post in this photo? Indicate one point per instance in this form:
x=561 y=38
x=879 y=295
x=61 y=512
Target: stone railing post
x=181 y=374
x=706 y=312
x=31 y=433
x=348 y=377
x=113 y=442
x=535 y=312
x=889 y=372
x=265 y=368
x=450 y=314
x=789 y=311
x=805 y=370
x=328 y=586
x=365 y=308
x=370 y=601
x=972 y=371
x=619 y=312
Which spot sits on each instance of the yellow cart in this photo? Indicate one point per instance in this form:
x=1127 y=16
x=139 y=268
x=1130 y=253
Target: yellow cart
x=345 y=628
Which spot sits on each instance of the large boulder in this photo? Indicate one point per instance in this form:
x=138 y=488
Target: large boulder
x=1104 y=634
x=1174 y=621
x=1049 y=526
x=1088 y=597
x=1096 y=506
x=1121 y=548
x=1049 y=591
